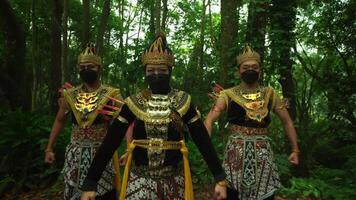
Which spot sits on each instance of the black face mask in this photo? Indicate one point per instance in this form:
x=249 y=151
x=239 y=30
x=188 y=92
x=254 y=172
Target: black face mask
x=250 y=76
x=159 y=83
x=88 y=76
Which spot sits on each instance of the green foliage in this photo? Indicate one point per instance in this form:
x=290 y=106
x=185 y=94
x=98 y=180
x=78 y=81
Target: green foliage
x=317 y=188
x=323 y=57
x=22 y=142
x=333 y=60
x=325 y=183
x=301 y=188
x=338 y=183
x=284 y=167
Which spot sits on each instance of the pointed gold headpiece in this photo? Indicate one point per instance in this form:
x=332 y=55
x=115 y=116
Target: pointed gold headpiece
x=158 y=52
x=89 y=55
x=248 y=54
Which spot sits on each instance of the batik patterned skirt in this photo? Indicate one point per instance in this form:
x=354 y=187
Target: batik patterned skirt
x=249 y=163
x=79 y=155
x=143 y=187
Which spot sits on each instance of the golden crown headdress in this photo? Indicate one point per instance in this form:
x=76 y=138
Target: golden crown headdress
x=158 y=52
x=89 y=55
x=248 y=54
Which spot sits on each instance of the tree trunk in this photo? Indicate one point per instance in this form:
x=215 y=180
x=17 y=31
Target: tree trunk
x=85 y=24
x=56 y=71
x=256 y=25
x=121 y=28
x=213 y=38
x=228 y=40
x=16 y=92
x=164 y=14
x=201 y=39
x=283 y=17
x=152 y=32
x=121 y=33
x=34 y=57
x=102 y=26
x=65 y=76
x=157 y=16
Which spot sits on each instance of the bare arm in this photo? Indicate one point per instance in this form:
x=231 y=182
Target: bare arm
x=290 y=131
x=56 y=129
x=214 y=114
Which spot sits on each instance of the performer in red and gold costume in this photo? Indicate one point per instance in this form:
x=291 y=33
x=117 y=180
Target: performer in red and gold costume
x=249 y=161
x=89 y=127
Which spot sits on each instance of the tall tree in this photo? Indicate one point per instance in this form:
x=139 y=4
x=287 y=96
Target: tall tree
x=164 y=14
x=55 y=70
x=13 y=76
x=151 y=6
x=34 y=55
x=102 y=26
x=228 y=40
x=85 y=23
x=257 y=24
x=121 y=27
x=202 y=36
x=65 y=75
x=157 y=16
x=283 y=19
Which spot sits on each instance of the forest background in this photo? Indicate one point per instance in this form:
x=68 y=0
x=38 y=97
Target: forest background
x=308 y=49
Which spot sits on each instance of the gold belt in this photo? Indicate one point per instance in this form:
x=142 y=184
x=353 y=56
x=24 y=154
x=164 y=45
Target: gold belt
x=247 y=131
x=159 y=144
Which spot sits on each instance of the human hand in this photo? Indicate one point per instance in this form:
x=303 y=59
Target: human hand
x=123 y=159
x=220 y=190
x=49 y=157
x=215 y=90
x=294 y=158
x=89 y=195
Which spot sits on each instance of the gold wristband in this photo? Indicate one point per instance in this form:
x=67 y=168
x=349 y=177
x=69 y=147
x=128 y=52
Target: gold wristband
x=48 y=150
x=295 y=151
x=222 y=183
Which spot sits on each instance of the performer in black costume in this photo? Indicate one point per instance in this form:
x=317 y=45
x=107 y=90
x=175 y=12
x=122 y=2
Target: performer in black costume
x=160 y=168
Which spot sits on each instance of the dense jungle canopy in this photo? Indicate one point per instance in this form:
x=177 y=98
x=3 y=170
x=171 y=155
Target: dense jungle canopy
x=308 y=49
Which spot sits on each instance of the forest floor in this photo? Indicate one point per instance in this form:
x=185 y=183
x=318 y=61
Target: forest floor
x=204 y=193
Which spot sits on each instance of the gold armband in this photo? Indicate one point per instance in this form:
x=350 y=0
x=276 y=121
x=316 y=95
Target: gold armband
x=193 y=119
x=121 y=119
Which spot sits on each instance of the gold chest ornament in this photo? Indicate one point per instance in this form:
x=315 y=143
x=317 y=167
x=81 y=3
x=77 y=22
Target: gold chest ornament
x=254 y=101
x=86 y=103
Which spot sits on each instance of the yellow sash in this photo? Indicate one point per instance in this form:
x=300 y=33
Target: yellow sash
x=160 y=145
x=116 y=163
